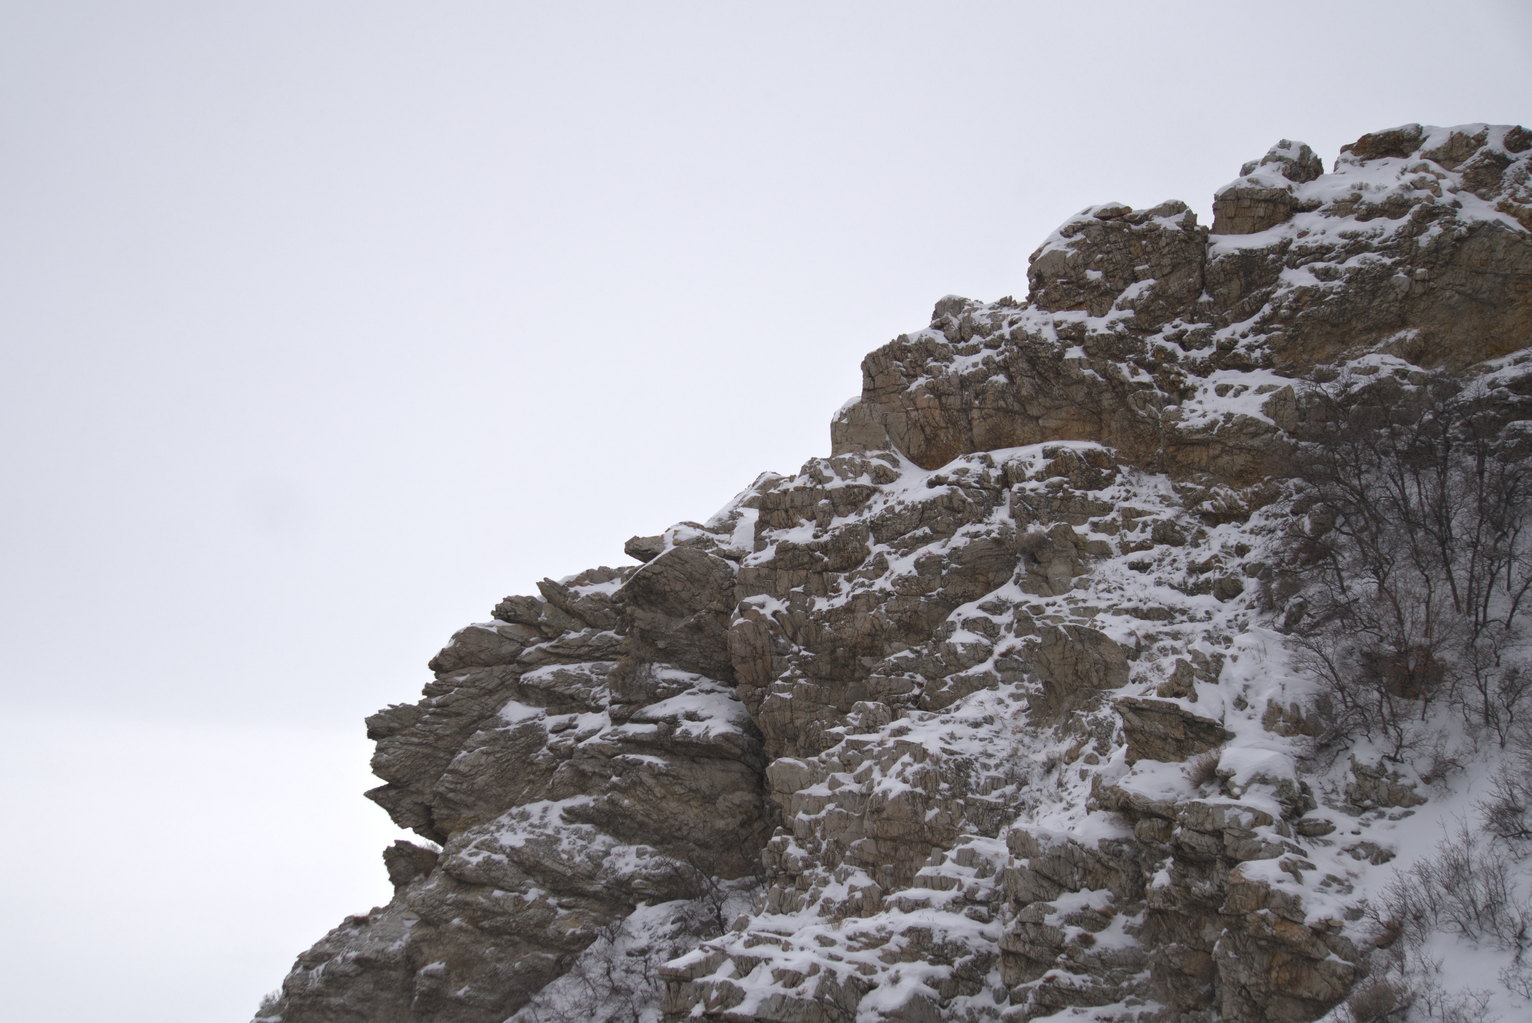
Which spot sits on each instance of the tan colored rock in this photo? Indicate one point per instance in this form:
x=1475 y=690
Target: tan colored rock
x=1076 y=664
x=484 y=645
x=856 y=428
x=1395 y=143
x=1377 y=785
x=1165 y=730
x=846 y=751
x=1418 y=267
x=1145 y=263
x=644 y=548
x=678 y=610
x=1031 y=389
x=1263 y=196
x=407 y=862
x=1278 y=968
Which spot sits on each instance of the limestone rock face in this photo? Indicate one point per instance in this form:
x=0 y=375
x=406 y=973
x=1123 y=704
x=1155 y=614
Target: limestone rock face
x=1142 y=325
x=1264 y=195
x=1166 y=730
x=1415 y=244
x=574 y=765
x=980 y=717
x=1146 y=264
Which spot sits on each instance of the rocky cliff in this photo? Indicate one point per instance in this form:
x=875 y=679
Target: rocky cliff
x=1005 y=709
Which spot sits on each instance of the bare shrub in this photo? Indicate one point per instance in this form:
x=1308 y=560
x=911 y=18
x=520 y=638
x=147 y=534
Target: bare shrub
x=1202 y=770
x=1504 y=813
x=1517 y=978
x=1379 y=1000
x=1466 y=888
x=1405 y=573
x=1436 y=1003
x=270 y=1008
x=1412 y=992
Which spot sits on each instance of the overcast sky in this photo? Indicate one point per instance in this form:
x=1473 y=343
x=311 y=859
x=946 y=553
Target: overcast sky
x=328 y=324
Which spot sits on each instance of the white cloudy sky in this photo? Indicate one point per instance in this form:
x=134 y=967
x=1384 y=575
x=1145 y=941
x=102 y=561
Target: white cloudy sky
x=324 y=325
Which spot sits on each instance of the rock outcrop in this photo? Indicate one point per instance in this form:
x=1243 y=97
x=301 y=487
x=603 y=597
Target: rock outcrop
x=980 y=716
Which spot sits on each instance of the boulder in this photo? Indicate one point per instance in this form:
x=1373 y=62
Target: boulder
x=1167 y=730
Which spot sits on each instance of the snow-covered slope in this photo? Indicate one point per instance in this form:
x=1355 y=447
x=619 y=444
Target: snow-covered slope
x=1007 y=709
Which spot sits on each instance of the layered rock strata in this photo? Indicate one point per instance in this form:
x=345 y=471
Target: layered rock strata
x=978 y=717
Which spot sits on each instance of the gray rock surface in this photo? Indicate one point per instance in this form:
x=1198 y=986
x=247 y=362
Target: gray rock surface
x=976 y=718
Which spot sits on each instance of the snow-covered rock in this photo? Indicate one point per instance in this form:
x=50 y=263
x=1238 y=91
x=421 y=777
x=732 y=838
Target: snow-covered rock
x=989 y=714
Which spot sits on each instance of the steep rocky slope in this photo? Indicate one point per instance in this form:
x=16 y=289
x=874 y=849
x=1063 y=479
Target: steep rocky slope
x=989 y=714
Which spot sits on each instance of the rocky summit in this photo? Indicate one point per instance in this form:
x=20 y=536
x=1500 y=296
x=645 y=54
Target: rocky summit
x=1150 y=649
